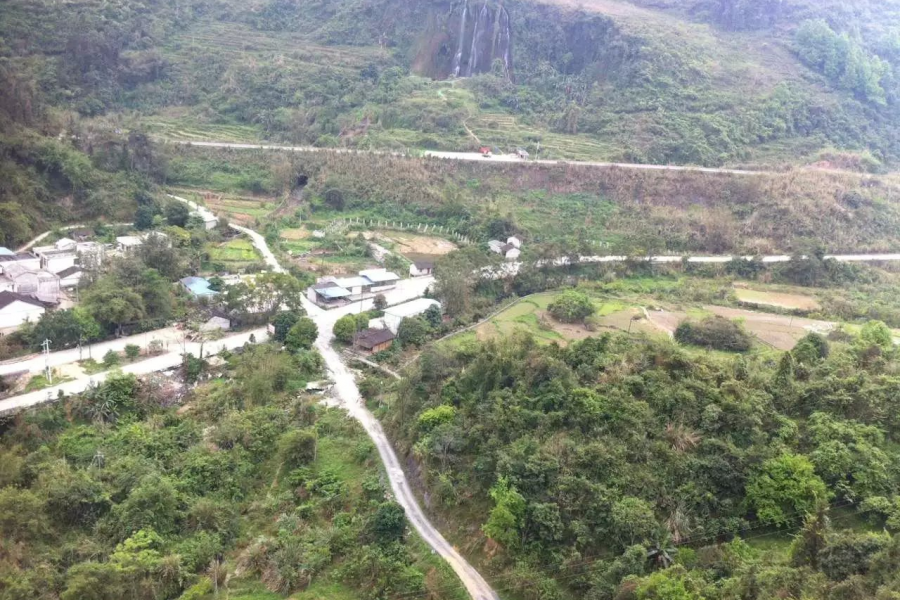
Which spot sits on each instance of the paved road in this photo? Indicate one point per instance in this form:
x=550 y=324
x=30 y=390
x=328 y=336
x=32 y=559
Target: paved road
x=37 y=239
x=345 y=389
x=472 y=156
x=347 y=394
x=169 y=336
x=151 y=365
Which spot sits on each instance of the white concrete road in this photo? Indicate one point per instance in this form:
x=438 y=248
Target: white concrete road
x=345 y=389
x=157 y=363
x=170 y=337
x=470 y=156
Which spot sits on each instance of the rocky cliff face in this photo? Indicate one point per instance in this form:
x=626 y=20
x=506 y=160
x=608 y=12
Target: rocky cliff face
x=483 y=35
x=466 y=40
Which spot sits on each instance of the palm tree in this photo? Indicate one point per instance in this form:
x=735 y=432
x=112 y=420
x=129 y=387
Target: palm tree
x=662 y=549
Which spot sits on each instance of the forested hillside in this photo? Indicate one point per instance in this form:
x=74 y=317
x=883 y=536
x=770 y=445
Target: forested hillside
x=617 y=467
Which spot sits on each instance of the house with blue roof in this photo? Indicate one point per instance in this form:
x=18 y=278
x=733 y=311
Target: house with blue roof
x=198 y=287
x=332 y=291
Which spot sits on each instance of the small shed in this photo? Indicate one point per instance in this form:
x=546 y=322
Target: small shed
x=374 y=340
x=420 y=268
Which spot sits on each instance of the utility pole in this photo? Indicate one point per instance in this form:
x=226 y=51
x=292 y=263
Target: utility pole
x=46 y=346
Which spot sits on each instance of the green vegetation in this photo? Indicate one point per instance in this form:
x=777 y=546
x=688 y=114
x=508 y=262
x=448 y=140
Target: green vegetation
x=715 y=333
x=645 y=465
x=116 y=493
x=571 y=307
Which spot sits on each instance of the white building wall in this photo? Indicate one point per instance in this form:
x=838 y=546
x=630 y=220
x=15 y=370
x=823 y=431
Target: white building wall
x=17 y=313
x=55 y=264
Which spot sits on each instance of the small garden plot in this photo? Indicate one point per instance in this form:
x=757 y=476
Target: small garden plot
x=233 y=254
x=777 y=299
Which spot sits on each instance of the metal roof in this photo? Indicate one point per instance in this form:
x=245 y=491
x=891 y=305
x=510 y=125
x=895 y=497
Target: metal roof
x=198 y=286
x=379 y=275
x=6 y=251
x=333 y=292
x=352 y=282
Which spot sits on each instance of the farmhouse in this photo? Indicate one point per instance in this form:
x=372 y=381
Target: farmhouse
x=420 y=268
x=509 y=251
x=374 y=340
x=41 y=284
x=69 y=277
x=331 y=291
x=27 y=260
x=16 y=309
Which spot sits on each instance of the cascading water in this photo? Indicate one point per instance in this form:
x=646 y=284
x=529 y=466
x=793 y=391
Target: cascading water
x=457 y=58
x=482 y=23
x=505 y=47
x=490 y=31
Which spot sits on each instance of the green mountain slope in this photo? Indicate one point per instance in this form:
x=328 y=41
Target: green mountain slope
x=673 y=81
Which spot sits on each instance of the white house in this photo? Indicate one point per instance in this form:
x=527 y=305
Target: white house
x=127 y=243
x=209 y=220
x=69 y=277
x=514 y=241
x=508 y=251
x=57 y=260
x=420 y=268
x=28 y=261
x=16 y=309
x=394 y=315
x=380 y=279
x=66 y=244
x=41 y=284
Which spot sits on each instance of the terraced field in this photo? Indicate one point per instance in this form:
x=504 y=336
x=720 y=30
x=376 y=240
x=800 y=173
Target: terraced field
x=233 y=255
x=187 y=130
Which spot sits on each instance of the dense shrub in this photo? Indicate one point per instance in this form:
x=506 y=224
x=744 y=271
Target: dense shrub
x=714 y=332
x=571 y=307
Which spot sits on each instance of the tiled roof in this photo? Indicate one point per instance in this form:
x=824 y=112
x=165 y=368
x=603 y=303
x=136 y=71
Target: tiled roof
x=7 y=298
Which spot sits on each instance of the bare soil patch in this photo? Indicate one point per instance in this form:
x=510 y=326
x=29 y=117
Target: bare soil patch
x=295 y=234
x=409 y=243
x=777 y=299
x=779 y=331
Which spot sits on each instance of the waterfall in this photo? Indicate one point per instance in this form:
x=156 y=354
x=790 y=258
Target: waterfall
x=506 y=41
x=457 y=59
x=476 y=39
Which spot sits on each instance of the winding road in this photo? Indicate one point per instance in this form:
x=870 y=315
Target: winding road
x=345 y=391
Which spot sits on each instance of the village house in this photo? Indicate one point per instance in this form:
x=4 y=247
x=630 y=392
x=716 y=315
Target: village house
x=332 y=291
x=198 y=287
x=508 y=250
x=394 y=315
x=16 y=309
x=70 y=276
x=374 y=340
x=27 y=260
x=39 y=283
x=421 y=268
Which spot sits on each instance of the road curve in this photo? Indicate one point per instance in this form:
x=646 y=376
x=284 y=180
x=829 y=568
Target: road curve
x=347 y=395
